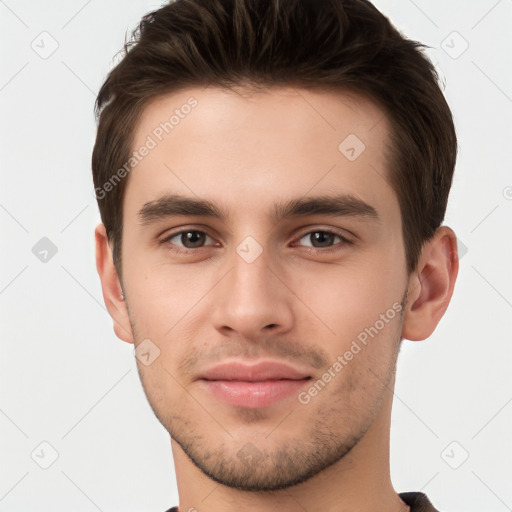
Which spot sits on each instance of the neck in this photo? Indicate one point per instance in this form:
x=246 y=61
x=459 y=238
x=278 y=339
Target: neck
x=359 y=481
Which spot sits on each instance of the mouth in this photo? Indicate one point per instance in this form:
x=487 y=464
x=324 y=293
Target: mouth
x=253 y=386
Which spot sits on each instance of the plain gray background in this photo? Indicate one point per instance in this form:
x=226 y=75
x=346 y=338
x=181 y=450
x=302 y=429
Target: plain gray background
x=69 y=383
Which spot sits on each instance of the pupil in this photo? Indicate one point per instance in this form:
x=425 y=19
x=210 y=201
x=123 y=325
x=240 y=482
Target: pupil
x=192 y=237
x=322 y=237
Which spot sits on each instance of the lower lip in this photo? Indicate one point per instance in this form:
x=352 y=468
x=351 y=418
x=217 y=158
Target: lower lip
x=253 y=395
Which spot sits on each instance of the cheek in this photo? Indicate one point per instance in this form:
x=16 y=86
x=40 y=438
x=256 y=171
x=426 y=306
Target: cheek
x=161 y=296
x=344 y=300
x=160 y=388
x=351 y=399
x=363 y=320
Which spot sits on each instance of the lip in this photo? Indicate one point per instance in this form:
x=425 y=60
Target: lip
x=264 y=370
x=252 y=386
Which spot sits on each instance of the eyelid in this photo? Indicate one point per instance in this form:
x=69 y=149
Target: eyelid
x=336 y=247
x=171 y=234
x=345 y=235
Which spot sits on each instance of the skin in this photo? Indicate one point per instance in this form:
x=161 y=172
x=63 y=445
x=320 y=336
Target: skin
x=245 y=151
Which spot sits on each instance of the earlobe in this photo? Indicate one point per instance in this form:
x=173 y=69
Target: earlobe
x=111 y=286
x=431 y=285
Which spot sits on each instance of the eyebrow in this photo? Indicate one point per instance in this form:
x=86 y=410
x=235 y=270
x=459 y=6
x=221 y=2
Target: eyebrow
x=341 y=205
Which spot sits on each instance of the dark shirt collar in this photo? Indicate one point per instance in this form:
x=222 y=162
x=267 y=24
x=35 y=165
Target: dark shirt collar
x=416 y=500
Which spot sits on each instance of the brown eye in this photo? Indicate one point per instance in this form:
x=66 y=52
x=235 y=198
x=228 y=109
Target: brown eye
x=187 y=239
x=321 y=239
x=192 y=239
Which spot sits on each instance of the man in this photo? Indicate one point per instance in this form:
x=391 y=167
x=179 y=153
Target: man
x=272 y=178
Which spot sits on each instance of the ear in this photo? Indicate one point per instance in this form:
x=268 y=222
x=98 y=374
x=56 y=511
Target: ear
x=111 y=286
x=431 y=285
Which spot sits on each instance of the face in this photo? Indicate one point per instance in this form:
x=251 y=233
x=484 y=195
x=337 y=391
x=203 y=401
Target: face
x=264 y=272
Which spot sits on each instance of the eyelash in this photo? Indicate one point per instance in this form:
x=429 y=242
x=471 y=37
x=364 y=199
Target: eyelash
x=337 y=247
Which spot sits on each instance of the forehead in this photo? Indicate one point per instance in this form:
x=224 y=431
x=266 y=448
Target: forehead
x=251 y=146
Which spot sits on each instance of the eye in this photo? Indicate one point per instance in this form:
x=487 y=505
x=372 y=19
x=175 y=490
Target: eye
x=188 y=239
x=323 y=239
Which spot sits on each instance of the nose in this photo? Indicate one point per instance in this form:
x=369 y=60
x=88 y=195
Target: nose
x=253 y=299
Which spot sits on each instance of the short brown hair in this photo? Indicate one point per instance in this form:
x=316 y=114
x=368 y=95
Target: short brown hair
x=347 y=45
